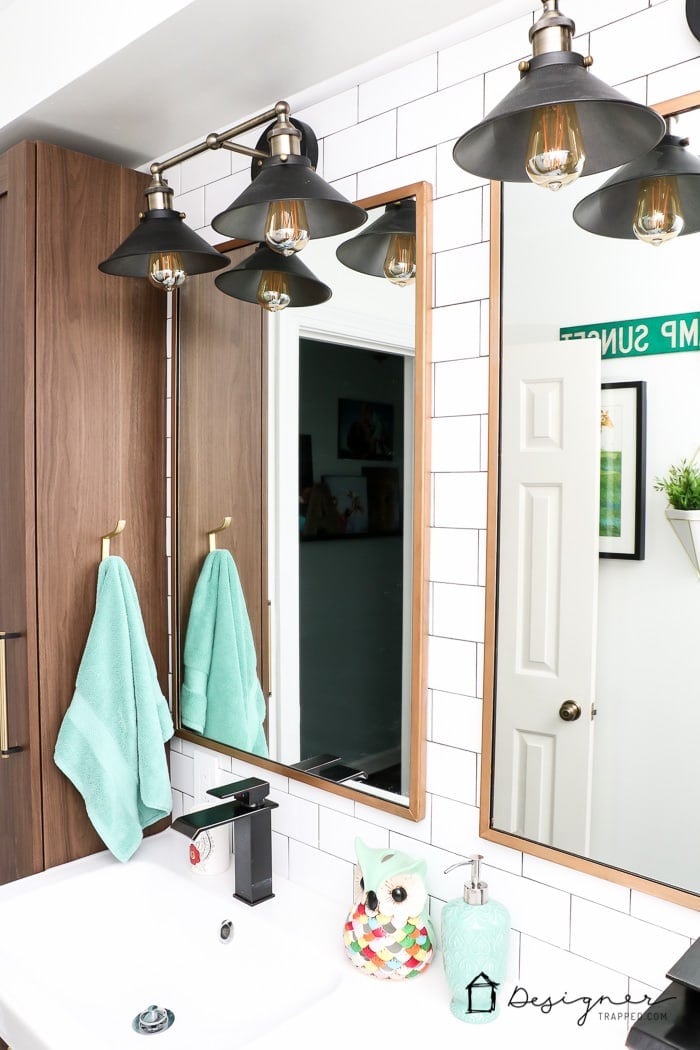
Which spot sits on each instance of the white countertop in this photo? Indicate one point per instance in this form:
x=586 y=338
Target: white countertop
x=303 y=935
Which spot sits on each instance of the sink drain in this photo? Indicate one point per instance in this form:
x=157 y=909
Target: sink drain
x=152 y=1020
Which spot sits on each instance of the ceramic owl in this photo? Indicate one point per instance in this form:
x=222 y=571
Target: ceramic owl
x=388 y=933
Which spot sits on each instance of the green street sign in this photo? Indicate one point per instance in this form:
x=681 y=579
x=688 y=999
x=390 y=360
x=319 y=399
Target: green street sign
x=642 y=336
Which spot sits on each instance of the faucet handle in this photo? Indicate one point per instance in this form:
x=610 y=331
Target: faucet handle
x=251 y=792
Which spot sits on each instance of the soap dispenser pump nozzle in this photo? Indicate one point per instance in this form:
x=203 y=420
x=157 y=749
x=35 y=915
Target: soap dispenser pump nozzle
x=475 y=891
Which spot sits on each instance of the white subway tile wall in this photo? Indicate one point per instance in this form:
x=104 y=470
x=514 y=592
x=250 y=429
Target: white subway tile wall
x=570 y=928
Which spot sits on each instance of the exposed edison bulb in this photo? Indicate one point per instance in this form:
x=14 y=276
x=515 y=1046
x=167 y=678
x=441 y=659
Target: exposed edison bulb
x=166 y=270
x=555 y=151
x=286 y=227
x=657 y=216
x=273 y=291
x=400 y=259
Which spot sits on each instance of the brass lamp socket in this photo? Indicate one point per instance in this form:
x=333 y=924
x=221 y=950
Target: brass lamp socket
x=283 y=137
x=552 y=31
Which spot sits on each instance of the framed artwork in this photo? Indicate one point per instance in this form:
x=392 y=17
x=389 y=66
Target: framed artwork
x=622 y=470
x=349 y=496
x=365 y=429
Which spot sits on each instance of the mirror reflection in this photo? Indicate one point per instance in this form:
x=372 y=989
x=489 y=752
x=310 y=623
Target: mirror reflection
x=307 y=430
x=597 y=706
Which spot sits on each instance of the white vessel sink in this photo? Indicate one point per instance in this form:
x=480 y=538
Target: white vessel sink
x=86 y=947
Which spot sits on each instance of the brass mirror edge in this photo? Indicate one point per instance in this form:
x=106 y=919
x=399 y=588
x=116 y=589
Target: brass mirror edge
x=685 y=898
x=415 y=810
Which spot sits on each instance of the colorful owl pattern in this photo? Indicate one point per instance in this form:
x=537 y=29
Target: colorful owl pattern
x=377 y=947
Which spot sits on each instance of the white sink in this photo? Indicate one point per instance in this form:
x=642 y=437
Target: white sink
x=86 y=947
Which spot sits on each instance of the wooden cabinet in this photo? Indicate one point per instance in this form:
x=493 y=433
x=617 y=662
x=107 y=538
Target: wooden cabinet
x=82 y=441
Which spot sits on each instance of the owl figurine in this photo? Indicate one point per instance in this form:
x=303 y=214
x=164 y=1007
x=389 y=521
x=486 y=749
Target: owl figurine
x=388 y=933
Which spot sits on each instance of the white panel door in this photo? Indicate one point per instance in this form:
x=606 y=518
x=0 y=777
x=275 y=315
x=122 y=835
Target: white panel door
x=547 y=590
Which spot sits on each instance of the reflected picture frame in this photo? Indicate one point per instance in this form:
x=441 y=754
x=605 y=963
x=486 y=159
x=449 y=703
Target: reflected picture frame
x=622 y=470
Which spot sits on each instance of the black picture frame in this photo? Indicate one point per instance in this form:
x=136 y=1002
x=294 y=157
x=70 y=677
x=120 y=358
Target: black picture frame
x=623 y=470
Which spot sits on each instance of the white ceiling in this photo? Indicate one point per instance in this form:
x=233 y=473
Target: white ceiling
x=217 y=61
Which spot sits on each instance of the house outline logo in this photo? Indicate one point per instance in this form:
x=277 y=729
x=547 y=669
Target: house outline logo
x=482 y=980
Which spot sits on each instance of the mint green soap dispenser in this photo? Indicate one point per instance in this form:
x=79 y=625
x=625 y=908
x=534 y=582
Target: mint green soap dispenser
x=475 y=942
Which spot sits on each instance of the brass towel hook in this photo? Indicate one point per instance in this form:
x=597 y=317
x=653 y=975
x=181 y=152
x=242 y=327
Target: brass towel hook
x=220 y=528
x=120 y=526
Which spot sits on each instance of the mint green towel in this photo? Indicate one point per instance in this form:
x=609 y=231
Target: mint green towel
x=110 y=744
x=221 y=694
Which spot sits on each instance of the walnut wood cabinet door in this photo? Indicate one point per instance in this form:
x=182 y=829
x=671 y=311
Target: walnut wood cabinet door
x=82 y=422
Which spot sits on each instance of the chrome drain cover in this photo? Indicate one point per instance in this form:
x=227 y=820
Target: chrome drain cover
x=152 y=1020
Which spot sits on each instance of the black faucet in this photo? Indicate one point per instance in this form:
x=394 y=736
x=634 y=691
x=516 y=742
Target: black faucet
x=249 y=812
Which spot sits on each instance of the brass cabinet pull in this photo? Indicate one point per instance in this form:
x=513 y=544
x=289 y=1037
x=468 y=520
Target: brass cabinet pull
x=5 y=750
x=569 y=711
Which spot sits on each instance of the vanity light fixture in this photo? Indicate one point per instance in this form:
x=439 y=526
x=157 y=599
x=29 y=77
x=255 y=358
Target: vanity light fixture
x=387 y=247
x=274 y=281
x=559 y=120
x=286 y=205
x=655 y=198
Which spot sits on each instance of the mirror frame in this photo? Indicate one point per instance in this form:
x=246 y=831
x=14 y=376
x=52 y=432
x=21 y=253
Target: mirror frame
x=415 y=809
x=686 y=898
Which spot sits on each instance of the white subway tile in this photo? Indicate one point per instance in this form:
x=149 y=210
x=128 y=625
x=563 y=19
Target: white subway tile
x=485 y=344
x=348 y=187
x=324 y=799
x=450 y=177
x=241 y=769
x=547 y=972
x=417 y=829
x=295 y=817
x=454 y=555
x=451 y=773
x=438 y=884
x=398 y=87
x=416 y=167
x=661 y=38
x=457 y=220
x=456 y=828
x=460 y=501
x=457 y=720
x=363 y=146
x=538 y=910
x=643 y=994
x=505 y=43
x=439 y=117
x=577 y=882
x=182 y=772
x=452 y=665
x=480 y=654
x=674 y=81
x=497 y=83
x=188 y=748
x=220 y=194
x=635 y=90
x=592 y=14
x=207 y=167
x=455 y=443
x=331 y=115
x=178 y=809
x=456 y=331
x=192 y=204
x=624 y=943
x=280 y=855
x=665 y=914
x=484 y=451
x=338 y=832
x=458 y=611
x=462 y=389
x=462 y=275
x=175 y=744
x=327 y=876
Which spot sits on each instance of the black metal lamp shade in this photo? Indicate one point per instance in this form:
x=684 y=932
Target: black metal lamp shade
x=609 y=211
x=367 y=251
x=614 y=129
x=242 y=281
x=328 y=212
x=162 y=230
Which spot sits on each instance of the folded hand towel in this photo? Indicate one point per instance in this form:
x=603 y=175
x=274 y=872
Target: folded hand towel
x=110 y=744
x=221 y=694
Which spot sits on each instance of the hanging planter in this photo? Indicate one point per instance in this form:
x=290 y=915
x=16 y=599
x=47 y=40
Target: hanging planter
x=686 y=525
x=681 y=487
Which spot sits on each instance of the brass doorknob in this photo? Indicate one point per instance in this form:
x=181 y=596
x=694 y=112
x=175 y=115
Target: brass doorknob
x=569 y=711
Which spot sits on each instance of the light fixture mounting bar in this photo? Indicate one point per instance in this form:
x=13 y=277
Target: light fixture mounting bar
x=216 y=141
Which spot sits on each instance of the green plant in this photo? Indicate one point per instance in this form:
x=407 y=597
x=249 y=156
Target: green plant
x=681 y=486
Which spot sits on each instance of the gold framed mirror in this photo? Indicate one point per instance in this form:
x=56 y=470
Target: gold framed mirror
x=245 y=381
x=635 y=713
